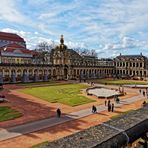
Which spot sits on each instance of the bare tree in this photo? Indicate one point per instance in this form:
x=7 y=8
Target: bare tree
x=93 y=53
x=45 y=46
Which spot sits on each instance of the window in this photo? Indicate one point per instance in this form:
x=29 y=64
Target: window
x=137 y=65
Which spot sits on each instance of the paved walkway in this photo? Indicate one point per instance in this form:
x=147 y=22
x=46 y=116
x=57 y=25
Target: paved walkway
x=46 y=123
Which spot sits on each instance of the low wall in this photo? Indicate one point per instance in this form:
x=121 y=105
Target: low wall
x=115 y=133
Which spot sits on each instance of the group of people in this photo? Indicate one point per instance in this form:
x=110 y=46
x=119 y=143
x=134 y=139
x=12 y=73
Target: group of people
x=109 y=105
x=144 y=93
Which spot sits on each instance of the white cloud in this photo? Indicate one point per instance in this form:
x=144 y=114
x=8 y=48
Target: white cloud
x=9 y=12
x=107 y=25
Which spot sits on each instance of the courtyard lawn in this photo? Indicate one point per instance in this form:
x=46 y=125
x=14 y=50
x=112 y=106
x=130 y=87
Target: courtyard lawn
x=121 y=82
x=6 y=113
x=68 y=94
x=37 y=83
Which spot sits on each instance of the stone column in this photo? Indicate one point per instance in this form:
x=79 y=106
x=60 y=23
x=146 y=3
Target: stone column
x=1 y=78
x=25 y=77
x=45 y=77
x=35 y=77
x=13 y=77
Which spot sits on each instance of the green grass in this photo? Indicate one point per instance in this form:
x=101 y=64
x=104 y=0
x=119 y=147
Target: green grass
x=40 y=145
x=6 y=113
x=120 y=82
x=68 y=94
x=37 y=83
x=126 y=112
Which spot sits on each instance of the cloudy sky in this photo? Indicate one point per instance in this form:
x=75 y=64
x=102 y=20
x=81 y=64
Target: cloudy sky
x=110 y=27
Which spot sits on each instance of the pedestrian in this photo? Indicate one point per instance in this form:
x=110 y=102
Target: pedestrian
x=117 y=100
x=94 y=109
x=144 y=103
x=105 y=102
x=143 y=93
x=109 y=107
x=112 y=107
x=58 y=113
x=108 y=102
x=140 y=91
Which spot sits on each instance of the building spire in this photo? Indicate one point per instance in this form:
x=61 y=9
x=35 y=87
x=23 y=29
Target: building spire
x=62 y=39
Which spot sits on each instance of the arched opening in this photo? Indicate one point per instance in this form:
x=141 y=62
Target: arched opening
x=40 y=74
x=19 y=75
x=45 y=75
x=65 y=73
x=49 y=74
x=30 y=74
x=6 y=75
x=54 y=72
x=25 y=76
x=35 y=75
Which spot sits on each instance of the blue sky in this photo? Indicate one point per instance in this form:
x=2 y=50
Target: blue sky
x=110 y=27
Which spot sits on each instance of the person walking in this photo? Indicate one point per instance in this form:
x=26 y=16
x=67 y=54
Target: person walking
x=94 y=109
x=140 y=91
x=144 y=93
x=58 y=113
x=117 y=100
x=112 y=107
x=108 y=102
x=144 y=103
x=109 y=107
x=105 y=102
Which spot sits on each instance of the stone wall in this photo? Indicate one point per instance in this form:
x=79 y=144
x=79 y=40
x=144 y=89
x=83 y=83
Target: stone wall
x=115 y=133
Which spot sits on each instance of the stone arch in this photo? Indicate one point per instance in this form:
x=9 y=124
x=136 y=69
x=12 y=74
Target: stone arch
x=35 y=72
x=65 y=73
x=40 y=73
x=74 y=72
x=45 y=72
x=30 y=72
x=13 y=76
x=45 y=75
x=89 y=72
x=25 y=76
x=19 y=75
x=54 y=72
x=83 y=71
x=13 y=71
x=78 y=73
x=24 y=71
x=95 y=71
x=7 y=75
x=49 y=74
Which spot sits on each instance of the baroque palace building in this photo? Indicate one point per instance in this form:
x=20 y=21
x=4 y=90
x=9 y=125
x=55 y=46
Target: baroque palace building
x=19 y=64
